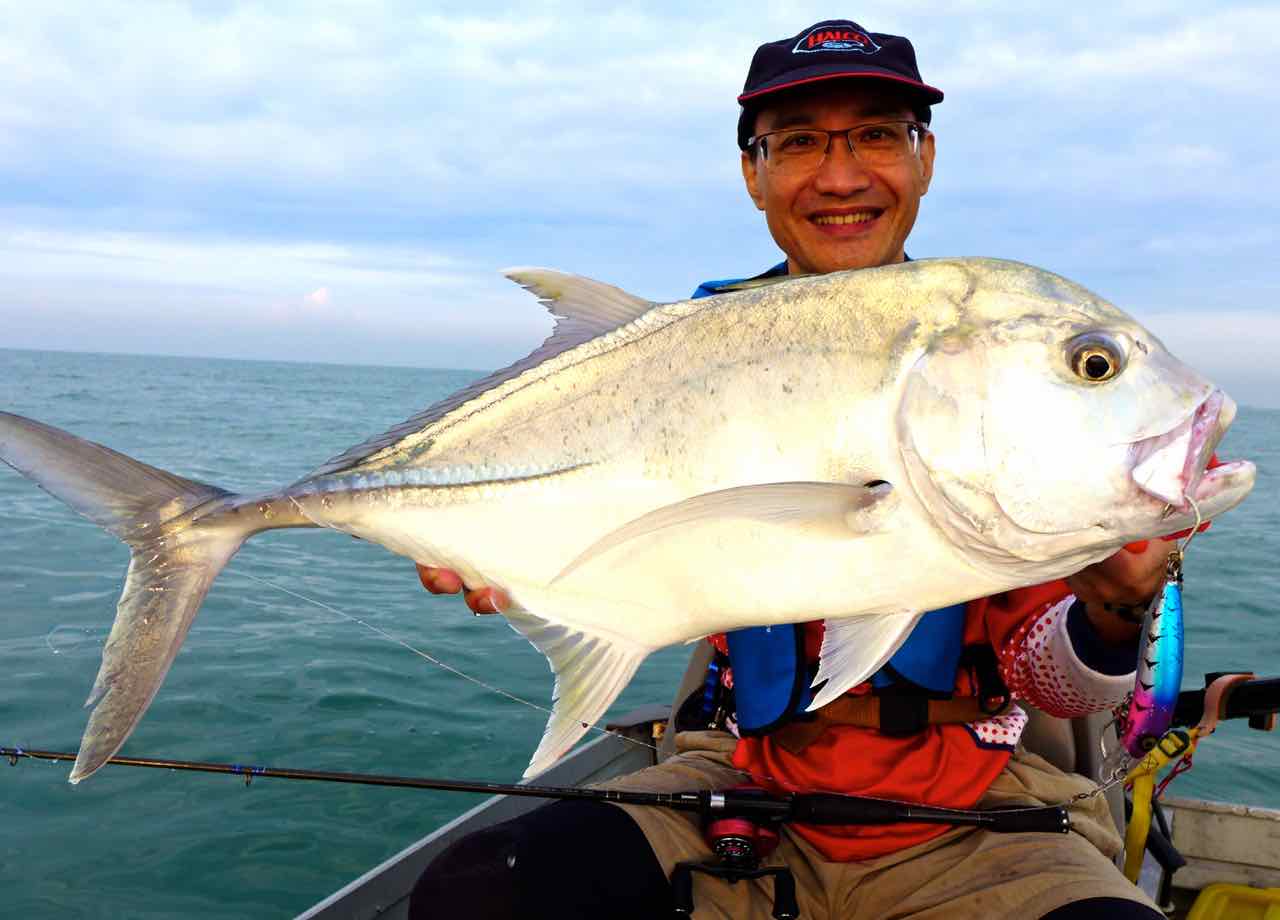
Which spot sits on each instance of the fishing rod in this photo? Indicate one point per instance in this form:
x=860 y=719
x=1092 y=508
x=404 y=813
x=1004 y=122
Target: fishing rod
x=806 y=807
x=1255 y=700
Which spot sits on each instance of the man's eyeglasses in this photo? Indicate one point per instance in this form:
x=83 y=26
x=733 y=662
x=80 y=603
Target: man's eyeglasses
x=882 y=143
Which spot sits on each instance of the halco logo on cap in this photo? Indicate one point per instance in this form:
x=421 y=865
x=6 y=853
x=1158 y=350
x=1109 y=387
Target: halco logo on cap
x=828 y=37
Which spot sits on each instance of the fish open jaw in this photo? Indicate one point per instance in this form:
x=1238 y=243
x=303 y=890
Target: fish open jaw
x=1172 y=466
x=1236 y=474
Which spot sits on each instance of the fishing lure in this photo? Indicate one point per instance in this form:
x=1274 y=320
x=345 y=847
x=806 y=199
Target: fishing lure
x=1148 y=713
x=1159 y=672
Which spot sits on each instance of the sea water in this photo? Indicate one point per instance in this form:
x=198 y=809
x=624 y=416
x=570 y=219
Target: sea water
x=266 y=678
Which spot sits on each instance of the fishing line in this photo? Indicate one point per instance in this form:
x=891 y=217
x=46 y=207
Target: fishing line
x=532 y=705
x=758 y=777
x=498 y=690
x=434 y=660
x=487 y=686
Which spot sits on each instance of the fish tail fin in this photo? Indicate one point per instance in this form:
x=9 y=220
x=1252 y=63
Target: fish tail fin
x=175 y=560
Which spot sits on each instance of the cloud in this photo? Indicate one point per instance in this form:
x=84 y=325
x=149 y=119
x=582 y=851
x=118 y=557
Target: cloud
x=120 y=290
x=224 y=261
x=1028 y=53
x=317 y=298
x=204 y=163
x=1236 y=349
x=396 y=97
x=526 y=108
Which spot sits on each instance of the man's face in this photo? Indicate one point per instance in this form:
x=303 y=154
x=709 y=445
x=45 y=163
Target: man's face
x=843 y=214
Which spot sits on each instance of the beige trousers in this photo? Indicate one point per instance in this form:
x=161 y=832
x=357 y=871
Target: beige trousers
x=962 y=874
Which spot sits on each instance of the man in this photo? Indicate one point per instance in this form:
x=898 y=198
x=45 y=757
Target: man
x=837 y=153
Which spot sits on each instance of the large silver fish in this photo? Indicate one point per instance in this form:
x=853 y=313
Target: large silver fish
x=861 y=446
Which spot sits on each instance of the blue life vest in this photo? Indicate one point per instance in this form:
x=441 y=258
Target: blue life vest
x=770 y=674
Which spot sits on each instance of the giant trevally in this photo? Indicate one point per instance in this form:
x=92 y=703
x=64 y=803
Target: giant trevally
x=860 y=446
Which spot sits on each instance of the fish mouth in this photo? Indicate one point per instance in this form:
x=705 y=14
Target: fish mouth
x=1173 y=467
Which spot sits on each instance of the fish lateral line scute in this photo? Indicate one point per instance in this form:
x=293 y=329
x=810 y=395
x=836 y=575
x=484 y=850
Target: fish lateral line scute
x=442 y=477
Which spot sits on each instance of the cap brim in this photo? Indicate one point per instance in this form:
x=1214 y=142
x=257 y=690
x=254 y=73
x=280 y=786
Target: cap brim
x=924 y=91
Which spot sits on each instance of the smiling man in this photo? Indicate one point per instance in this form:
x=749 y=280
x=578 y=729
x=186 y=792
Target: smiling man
x=844 y=200
x=836 y=151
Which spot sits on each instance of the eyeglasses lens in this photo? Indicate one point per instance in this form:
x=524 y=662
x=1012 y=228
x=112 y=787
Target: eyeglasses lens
x=875 y=145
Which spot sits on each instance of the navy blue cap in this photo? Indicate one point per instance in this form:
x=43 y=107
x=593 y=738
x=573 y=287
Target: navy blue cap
x=834 y=49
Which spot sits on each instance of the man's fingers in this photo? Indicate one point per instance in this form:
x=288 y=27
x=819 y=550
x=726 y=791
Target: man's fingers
x=1128 y=577
x=438 y=580
x=488 y=600
x=446 y=581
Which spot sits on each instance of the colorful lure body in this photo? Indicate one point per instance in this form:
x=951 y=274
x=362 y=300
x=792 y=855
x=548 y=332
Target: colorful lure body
x=1159 y=672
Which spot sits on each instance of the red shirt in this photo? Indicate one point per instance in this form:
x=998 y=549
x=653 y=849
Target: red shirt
x=944 y=765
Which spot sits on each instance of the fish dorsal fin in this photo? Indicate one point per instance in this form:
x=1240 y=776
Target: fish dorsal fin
x=583 y=308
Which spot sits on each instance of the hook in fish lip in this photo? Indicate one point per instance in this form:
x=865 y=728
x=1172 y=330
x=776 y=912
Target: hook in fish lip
x=1168 y=512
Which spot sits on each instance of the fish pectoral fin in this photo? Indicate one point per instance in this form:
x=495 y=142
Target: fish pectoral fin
x=854 y=648
x=590 y=670
x=835 y=509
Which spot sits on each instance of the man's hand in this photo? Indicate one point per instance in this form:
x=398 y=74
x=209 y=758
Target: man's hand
x=1129 y=579
x=447 y=581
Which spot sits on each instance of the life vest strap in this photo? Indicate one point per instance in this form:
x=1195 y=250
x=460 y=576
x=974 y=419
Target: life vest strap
x=891 y=714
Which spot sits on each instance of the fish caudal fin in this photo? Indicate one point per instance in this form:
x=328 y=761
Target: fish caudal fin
x=590 y=671
x=174 y=562
x=167 y=581
x=126 y=497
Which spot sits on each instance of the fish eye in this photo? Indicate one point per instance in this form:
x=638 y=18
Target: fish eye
x=1096 y=358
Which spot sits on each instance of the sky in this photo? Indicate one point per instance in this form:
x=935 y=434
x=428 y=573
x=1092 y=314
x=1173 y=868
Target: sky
x=342 y=181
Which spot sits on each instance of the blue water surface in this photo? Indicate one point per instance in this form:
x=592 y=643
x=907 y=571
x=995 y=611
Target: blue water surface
x=269 y=679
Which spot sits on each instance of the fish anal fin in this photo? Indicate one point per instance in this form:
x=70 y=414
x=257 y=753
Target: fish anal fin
x=854 y=648
x=834 y=509
x=590 y=671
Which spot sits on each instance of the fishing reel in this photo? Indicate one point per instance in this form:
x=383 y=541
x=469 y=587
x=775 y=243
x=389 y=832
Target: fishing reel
x=739 y=845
